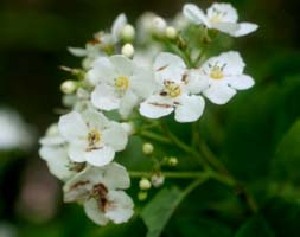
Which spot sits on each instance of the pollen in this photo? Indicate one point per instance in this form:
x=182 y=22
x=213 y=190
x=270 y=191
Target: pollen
x=94 y=137
x=122 y=83
x=216 y=72
x=172 y=89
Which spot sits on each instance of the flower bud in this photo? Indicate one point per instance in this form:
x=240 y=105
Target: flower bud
x=158 y=25
x=52 y=130
x=128 y=50
x=145 y=184
x=147 y=148
x=171 y=32
x=142 y=196
x=128 y=33
x=157 y=180
x=68 y=87
x=173 y=161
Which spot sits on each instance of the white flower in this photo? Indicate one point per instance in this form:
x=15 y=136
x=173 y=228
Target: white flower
x=225 y=75
x=119 y=208
x=174 y=92
x=97 y=188
x=222 y=17
x=120 y=84
x=92 y=137
x=54 y=152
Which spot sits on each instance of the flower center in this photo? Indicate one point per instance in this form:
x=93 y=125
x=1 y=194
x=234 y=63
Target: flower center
x=172 y=89
x=216 y=18
x=121 y=83
x=93 y=137
x=216 y=72
x=99 y=192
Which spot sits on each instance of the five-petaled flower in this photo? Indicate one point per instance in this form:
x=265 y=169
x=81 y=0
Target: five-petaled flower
x=174 y=92
x=220 y=16
x=225 y=75
x=120 y=83
x=92 y=137
x=98 y=188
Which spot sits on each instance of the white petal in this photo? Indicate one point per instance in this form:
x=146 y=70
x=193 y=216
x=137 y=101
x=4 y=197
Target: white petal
x=77 y=188
x=71 y=126
x=196 y=82
x=122 y=207
x=230 y=28
x=115 y=136
x=123 y=65
x=227 y=12
x=234 y=64
x=78 y=52
x=241 y=82
x=57 y=161
x=76 y=152
x=155 y=107
x=142 y=82
x=127 y=103
x=168 y=66
x=190 y=109
x=194 y=14
x=219 y=93
x=104 y=97
x=100 y=157
x=102 y=71
x=244 y=29
x=94 y=213
x=94 y=119
x=116 y=176
x=118 y=25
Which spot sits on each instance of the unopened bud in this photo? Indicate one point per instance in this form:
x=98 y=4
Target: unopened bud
x=171 y=32
x=68 y=87
x=158 y=25
x=145 y=184
x=128 y=33
x=172 y=161
x=128 y=50
x=53 y=130
x=157 y=180
x=142 y=196
x=147 y=148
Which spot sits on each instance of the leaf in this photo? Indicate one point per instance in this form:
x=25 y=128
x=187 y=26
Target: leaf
x=157 y=213
x=255 y=226
x=287 y=161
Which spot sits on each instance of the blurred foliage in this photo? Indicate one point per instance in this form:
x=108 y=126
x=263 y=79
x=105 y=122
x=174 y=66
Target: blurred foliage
x=257 y=135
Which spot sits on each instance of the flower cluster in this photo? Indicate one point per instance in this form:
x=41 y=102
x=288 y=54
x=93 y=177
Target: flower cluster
x=154 y=69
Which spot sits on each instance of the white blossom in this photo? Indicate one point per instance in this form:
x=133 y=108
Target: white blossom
x=225 y=75
x=92 y=137
x=174 y=92
x=120 y=83
x=98 y=188
x=54 y=151
x=220 y=16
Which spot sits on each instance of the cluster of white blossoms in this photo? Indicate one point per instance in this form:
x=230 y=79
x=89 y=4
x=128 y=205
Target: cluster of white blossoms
x=148 y=70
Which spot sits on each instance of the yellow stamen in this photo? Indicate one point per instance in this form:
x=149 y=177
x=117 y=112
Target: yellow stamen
x=172 y=89
x=121 y=83
x=216 y=72
x=94 y=136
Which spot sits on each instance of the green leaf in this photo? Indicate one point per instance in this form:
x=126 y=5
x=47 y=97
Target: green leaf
x=157 y=213
x=255 y=226
x=287 y=161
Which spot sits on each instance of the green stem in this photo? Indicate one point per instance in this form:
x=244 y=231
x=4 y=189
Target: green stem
x=154 y=136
